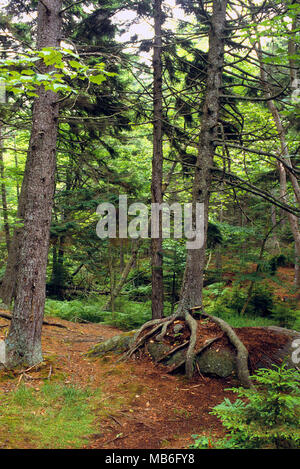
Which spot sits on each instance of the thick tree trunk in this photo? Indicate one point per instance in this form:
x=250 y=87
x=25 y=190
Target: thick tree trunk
x=23 y=343
x=157 y=166
x=191 y=293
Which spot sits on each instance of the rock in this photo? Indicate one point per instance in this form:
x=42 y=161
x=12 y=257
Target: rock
x=117 y=344
x=176 y=359
x=221 y=363
x=178 y=328
x=157 y=350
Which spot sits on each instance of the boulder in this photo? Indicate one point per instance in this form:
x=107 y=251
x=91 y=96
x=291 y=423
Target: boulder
x=117 y=344
x=266 y=346
x=221 y=363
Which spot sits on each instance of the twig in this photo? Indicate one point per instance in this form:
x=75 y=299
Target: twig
x=118 y=437
x=115 y=420
x=28 y=369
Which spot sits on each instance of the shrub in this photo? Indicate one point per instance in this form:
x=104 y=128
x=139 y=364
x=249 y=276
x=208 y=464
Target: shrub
x=233 y=299
x=277 y=261
x=265 y=417
x=141 y=293
x=286 y=315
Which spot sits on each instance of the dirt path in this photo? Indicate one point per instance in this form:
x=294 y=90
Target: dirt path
x=143 y=407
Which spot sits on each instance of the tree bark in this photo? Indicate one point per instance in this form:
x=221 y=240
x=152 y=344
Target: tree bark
x=157 y=166
x=3 y=195
x=191 y=292
x=284 y=154
x=293 y=221
x=23 y=343
x=116 y=290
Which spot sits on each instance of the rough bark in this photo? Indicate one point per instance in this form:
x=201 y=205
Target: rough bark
x=3 y=195
x=157 y=165
x=283 y=171
x=293 y=221
x=191 y=292
x=23 y=343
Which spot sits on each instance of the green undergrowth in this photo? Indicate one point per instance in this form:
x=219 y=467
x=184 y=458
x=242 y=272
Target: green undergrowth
x=53 y=416
x=264 y=417
x=263 y=309
x=130 y=315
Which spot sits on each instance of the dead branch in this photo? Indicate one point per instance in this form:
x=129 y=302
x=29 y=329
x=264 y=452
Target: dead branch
x=46 y=323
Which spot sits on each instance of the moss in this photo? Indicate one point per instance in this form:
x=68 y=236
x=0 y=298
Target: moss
x=117 y=344
x=221 y=363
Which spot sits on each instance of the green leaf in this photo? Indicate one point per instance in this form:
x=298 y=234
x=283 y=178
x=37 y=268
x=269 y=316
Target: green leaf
x=98 y=79
x=76 y=64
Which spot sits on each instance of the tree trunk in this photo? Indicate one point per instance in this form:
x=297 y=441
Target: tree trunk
x=191 y=292
x=293 y=221
x=3 y=195
x=116 y=290
x=23 y=343
x=157 y=167
x=284 y=154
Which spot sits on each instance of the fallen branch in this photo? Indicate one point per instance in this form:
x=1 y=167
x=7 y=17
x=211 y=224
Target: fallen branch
x=46 y=323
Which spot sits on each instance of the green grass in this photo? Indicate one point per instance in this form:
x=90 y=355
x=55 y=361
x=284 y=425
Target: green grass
x=56 y=416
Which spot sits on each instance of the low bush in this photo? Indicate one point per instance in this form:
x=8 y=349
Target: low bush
x=265 y=417
x=232 y=300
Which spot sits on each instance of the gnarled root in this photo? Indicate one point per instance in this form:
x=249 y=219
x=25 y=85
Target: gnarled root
x=242 y=352
x=157 y=329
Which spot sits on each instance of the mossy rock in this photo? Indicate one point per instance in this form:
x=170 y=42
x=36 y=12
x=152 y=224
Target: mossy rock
x=221 y=363
x=158 y=350
x=117 y=344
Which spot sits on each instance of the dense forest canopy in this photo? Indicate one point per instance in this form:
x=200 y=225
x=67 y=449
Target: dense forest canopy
x=175 y=102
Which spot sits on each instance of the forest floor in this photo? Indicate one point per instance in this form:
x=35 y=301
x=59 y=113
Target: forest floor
x=148 y=408
x=142 y=406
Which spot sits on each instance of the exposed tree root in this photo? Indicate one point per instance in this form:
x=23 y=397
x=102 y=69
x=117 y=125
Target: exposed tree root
x=242 y=352
x=139 y=342
x=207 y=344
x=190 y=354
x=158 y=328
